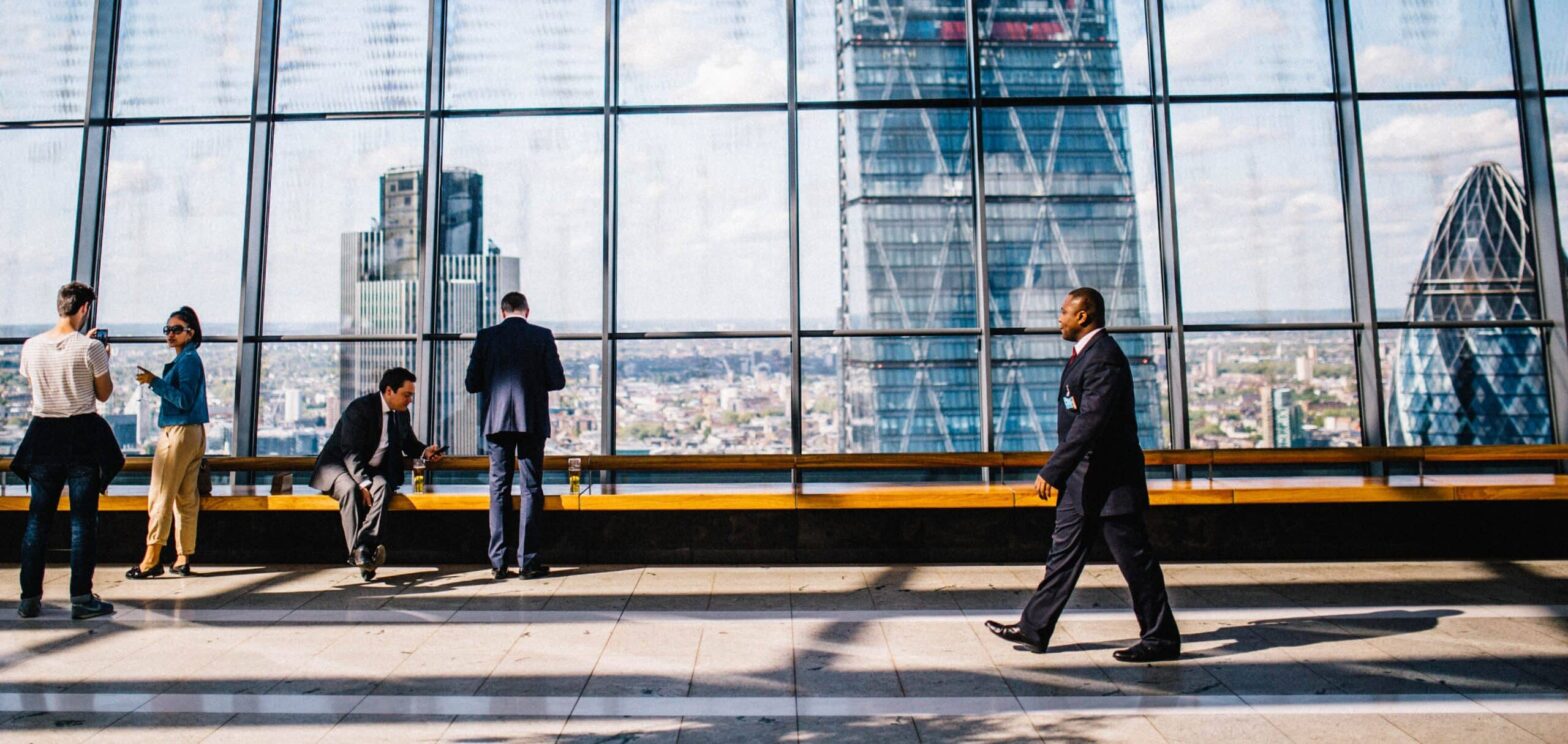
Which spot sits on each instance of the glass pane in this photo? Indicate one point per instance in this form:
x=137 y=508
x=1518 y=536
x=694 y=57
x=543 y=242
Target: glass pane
x=174 y=227
x=690 y=51
x=574 y=412
x=1457 y=386
x=185 y=58
x=886 y=219
x=881 y=51
x=133 y=408
x=45 y=53
x=704 y=222
x=708 y=396
x=344 y=195
x=1247 y=46
x=306 y=386
x=1027 y=370
x=525 y=212
x=16 y=399
x=891 y=394
x=1088 y=48
x=1260 y=218
x=514 y=55
x=360 y=56
x=42 y=168
x=1551 y=26
x=1431 y=45
x=1447 y=211
x=1272 y=389
x=1069 y=203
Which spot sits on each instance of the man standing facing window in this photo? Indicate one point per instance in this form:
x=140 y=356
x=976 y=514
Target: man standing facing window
x=513 y=369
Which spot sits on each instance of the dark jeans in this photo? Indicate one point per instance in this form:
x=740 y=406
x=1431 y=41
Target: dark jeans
x=1129 y=544
x=506 y=450
x=47 y=481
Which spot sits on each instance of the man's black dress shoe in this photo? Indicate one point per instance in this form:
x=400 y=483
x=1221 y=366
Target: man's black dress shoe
x=534 y=571
x=1014 y=634
x=1144 y=653
x=499 y=573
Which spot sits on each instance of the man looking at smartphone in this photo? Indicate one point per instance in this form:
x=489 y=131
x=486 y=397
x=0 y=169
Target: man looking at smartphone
x=362 y=464
x=67 y=445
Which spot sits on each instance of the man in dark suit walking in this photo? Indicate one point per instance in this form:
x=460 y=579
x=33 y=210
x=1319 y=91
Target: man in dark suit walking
x=513 y=369
x=362 y=464
x=1097 y=469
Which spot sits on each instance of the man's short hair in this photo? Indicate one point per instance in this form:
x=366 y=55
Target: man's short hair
x=72 y=297
x=394 y=378
x=514 y=302
x=1092 y=303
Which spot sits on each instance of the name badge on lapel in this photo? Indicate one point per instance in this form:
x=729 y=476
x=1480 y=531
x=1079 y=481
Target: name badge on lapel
x=1068 y=402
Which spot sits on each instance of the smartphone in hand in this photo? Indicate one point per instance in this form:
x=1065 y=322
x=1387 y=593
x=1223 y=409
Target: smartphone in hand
x=101 y=335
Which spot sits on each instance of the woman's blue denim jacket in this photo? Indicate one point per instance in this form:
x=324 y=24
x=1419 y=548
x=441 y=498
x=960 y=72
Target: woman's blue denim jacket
x=183 y=388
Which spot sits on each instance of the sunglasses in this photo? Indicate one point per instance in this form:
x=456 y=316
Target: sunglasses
x=175 y=329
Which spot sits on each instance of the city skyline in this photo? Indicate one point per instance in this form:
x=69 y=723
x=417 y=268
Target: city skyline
x=674 y=213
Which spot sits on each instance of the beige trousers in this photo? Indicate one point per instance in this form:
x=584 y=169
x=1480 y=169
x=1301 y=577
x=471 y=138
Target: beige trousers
x=173 y=492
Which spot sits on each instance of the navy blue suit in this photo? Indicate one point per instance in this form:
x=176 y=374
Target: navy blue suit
x=513 y=369
x=1097 y=470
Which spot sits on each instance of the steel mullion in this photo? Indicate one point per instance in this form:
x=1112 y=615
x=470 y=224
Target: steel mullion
x=978 y=232
x=258 y=185
x=1164 y=175
x=1363 y=292
x=607 y=349
x=431 y=198
x=91 y=183
x=1535 y=135
x=792 y=94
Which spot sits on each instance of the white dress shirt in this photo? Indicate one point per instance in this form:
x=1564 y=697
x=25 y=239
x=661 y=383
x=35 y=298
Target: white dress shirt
x=381 y=447
x=1084 y=340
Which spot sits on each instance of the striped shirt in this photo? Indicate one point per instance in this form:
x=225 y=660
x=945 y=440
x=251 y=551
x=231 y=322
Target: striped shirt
x=61 y=370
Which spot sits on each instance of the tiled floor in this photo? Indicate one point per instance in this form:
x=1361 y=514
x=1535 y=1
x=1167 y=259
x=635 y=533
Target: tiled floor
x=1427 y=652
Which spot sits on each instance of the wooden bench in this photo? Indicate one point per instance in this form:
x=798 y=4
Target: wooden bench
x=1010 y=486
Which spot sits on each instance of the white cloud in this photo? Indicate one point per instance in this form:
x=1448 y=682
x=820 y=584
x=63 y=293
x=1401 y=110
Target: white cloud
x=1414 y=141
x=1214 y=31
x=1384 y=66
x=669 y=53
x=1215 y=133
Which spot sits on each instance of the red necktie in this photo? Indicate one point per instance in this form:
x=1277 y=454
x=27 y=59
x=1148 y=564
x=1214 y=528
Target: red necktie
x=1074 y=355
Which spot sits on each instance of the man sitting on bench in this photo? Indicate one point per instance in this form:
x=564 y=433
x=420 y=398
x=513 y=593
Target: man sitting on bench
x=362 y=464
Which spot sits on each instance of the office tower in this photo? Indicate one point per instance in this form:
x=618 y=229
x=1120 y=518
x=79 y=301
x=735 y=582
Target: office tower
x=1473 y=385
x=380 y=291
x=1284 y=423
x=1060 y=214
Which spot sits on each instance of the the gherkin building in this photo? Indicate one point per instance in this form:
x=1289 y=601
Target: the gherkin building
x=1454 y=386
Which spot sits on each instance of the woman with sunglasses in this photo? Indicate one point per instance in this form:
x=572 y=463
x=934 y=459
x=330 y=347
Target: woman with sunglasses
x=182 y=439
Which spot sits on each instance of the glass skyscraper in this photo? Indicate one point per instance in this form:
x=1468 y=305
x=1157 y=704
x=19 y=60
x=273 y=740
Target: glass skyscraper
x=1473 y=385
x=380 y=290
x=1060 y=214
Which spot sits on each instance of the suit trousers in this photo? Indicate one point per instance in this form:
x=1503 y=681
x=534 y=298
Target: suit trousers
x=507 y=450
x=1129 y=543
x=172 y=496
x=361 y=525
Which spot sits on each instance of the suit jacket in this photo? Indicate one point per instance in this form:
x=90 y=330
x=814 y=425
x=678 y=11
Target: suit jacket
x=1098 y=464
x=354 y=441
x=513 y=368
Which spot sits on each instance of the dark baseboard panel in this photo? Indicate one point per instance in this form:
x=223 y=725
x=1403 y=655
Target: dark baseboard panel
x=1414 y=531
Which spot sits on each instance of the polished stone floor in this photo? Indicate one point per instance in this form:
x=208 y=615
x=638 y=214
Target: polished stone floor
x=1288 y=652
